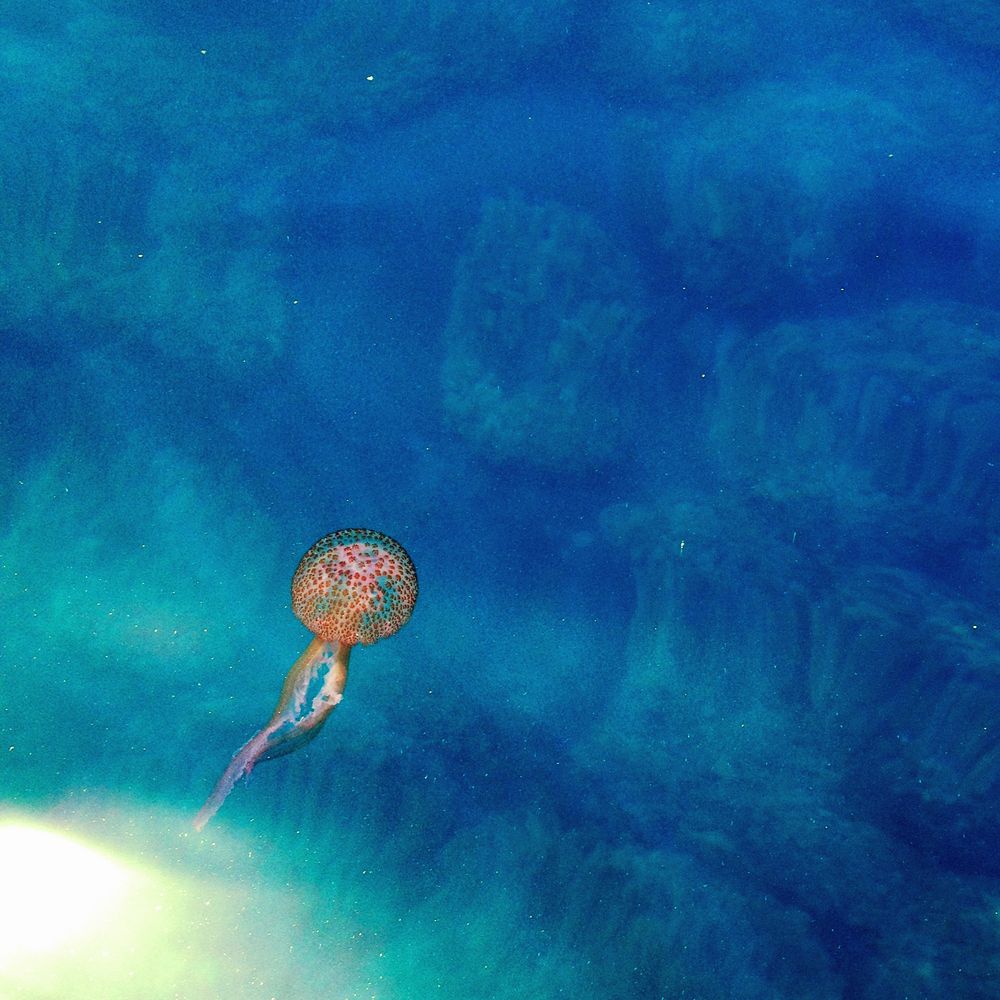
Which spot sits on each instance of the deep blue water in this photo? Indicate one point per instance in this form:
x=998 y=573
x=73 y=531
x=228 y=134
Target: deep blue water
x=665 y=336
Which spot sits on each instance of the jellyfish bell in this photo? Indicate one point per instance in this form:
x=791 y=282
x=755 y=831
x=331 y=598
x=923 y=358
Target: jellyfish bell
x=352 y=587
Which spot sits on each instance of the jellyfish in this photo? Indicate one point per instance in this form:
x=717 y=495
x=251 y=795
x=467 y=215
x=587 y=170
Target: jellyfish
x=353 y=586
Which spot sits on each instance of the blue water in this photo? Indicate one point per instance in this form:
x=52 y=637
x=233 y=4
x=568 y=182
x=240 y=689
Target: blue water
x=665 y=336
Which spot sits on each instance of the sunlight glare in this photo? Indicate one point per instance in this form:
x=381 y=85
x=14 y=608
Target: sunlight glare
x=55 y=889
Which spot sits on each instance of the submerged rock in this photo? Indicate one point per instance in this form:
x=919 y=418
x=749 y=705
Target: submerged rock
x=544 y=318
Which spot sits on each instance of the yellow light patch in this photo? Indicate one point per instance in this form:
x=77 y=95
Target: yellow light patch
x=115 y=902
x=56 y=890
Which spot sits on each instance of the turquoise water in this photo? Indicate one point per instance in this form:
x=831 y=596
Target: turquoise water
x=665 y=337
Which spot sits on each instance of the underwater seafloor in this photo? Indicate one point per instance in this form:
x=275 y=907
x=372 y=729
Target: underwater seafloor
x=664 y=336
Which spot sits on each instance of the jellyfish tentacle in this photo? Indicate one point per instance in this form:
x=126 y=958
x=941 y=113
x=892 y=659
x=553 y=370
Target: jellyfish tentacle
x=312 y=690
x=240 y=766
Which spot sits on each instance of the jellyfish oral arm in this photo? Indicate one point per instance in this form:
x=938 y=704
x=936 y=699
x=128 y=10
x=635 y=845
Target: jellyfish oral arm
x=312 y=690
